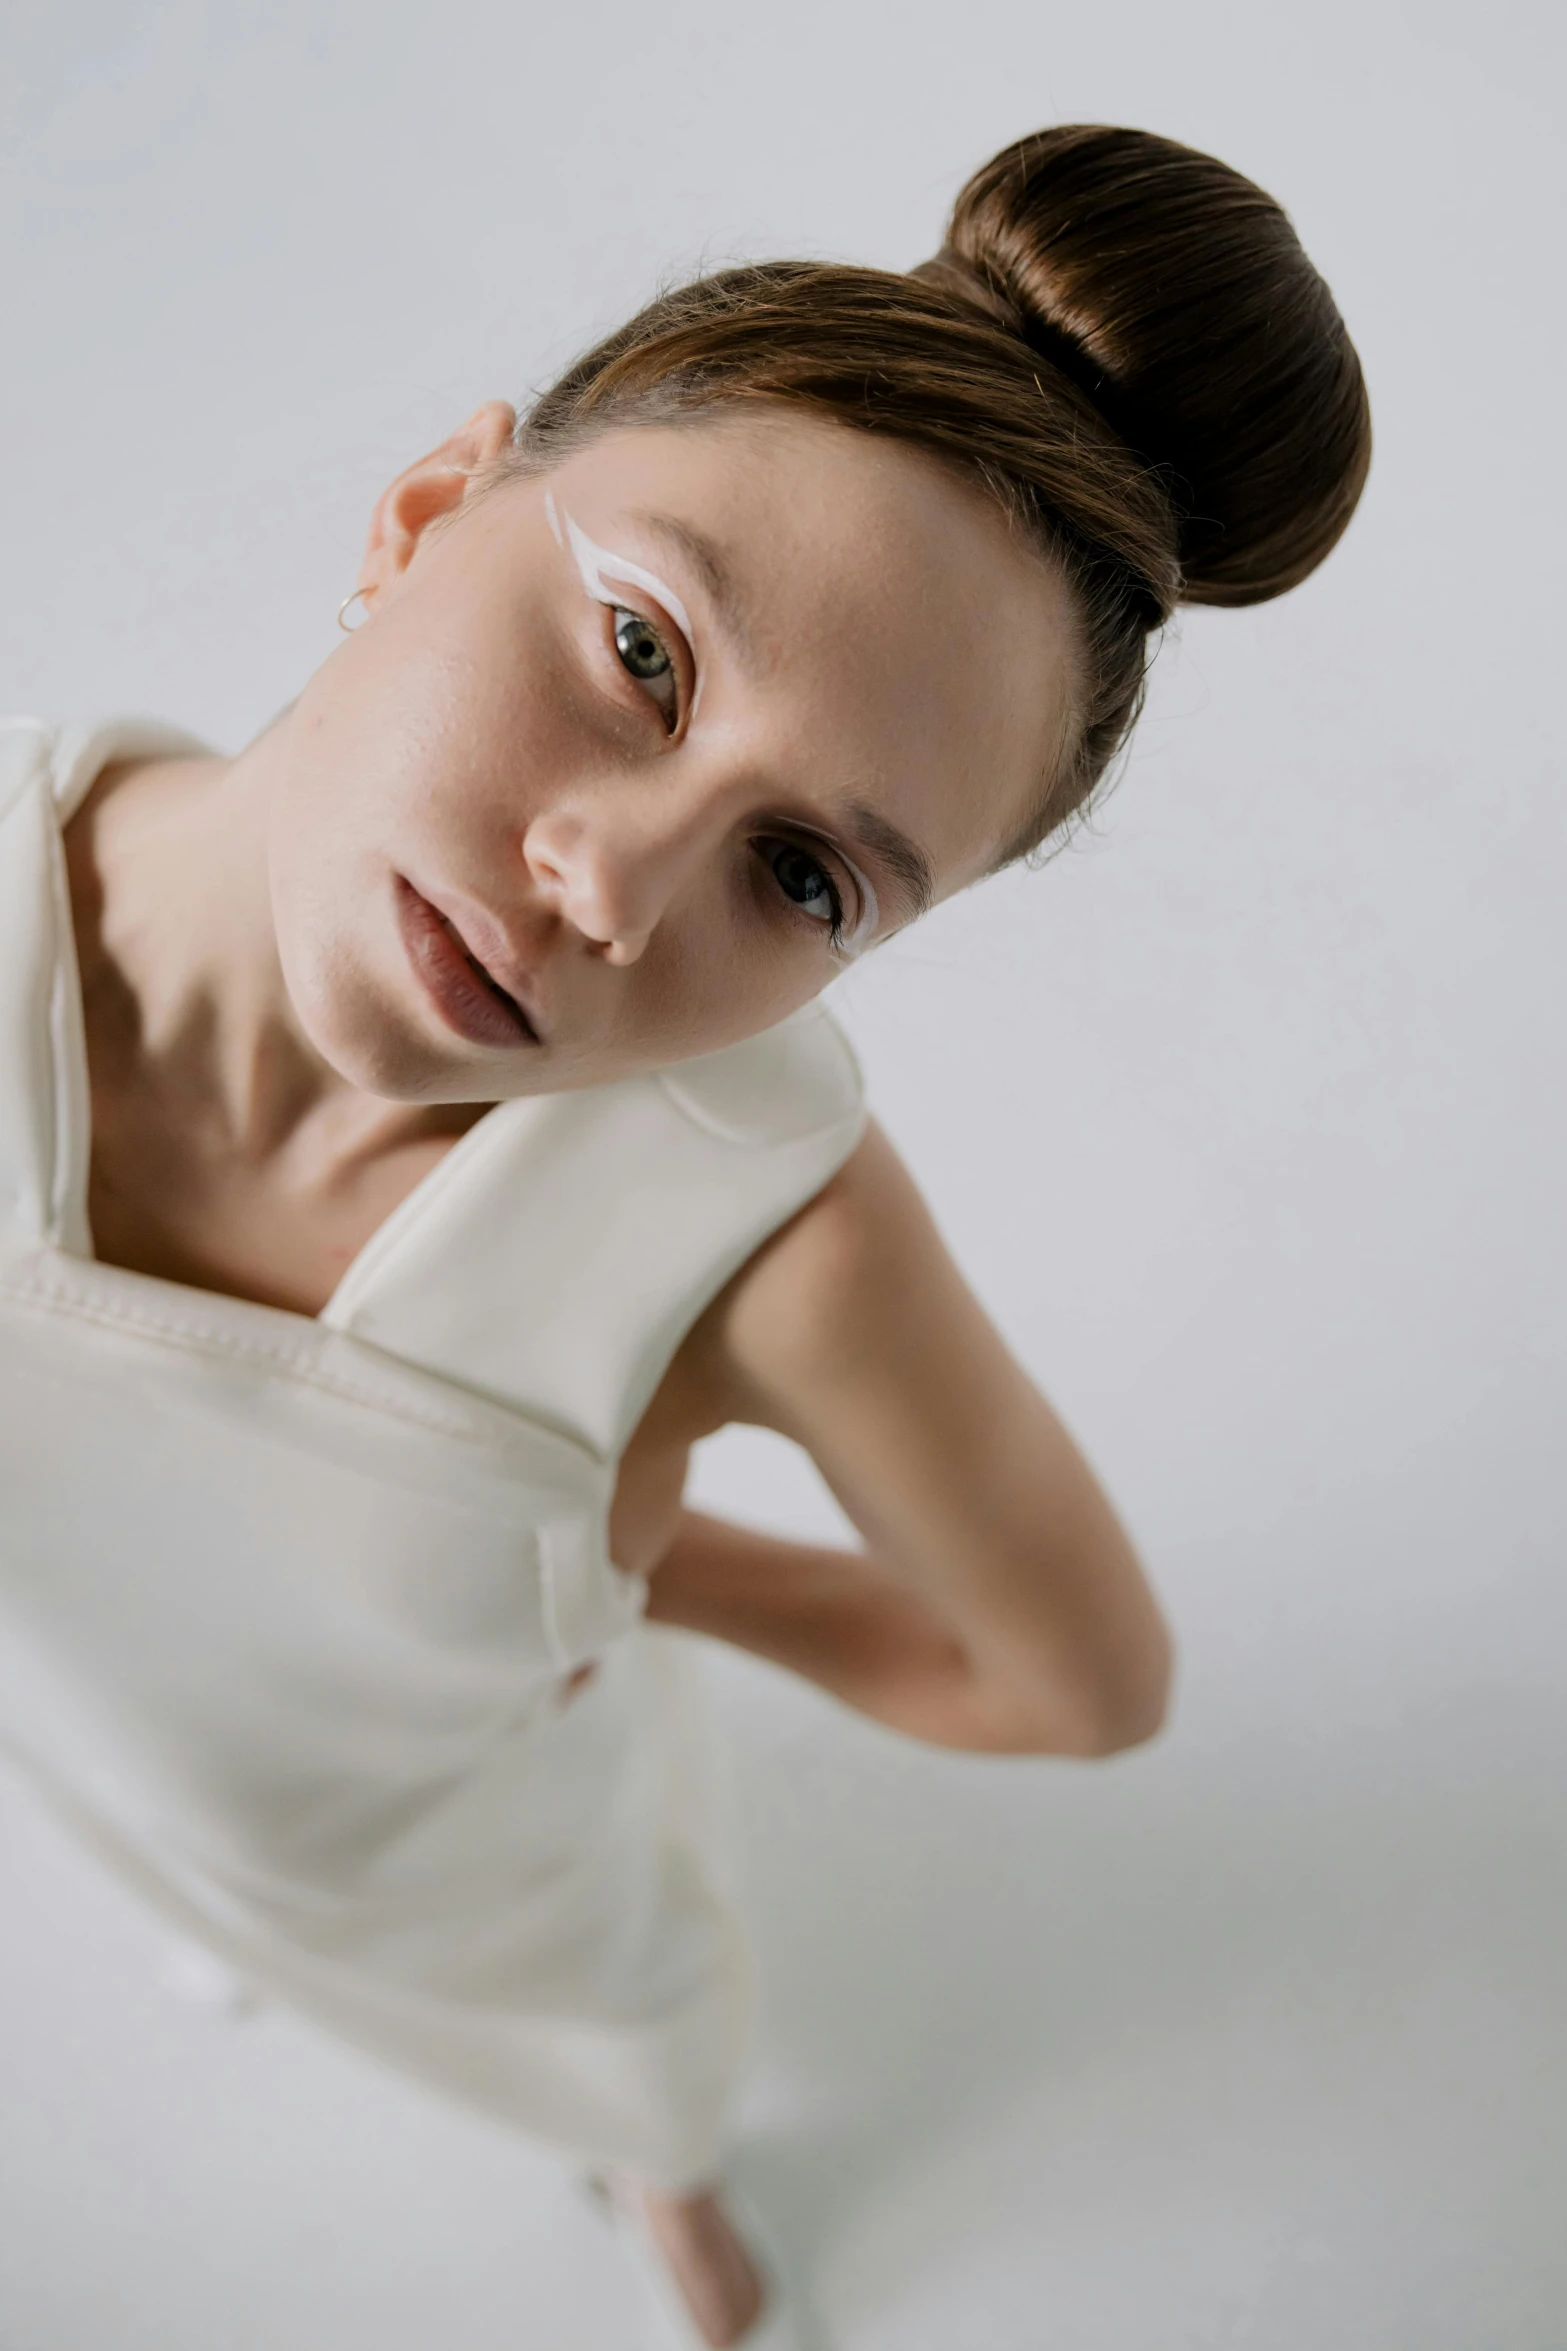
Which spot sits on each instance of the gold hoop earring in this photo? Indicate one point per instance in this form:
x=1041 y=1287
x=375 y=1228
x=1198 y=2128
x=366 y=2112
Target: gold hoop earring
x=349 y=627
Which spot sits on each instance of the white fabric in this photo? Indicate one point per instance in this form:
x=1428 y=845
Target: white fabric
x=286 y=1602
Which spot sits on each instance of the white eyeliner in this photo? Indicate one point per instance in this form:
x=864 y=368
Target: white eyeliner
x=865 y=929
x=595 y=566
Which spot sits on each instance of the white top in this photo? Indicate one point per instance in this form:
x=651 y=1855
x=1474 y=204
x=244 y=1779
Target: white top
x=286 y=1601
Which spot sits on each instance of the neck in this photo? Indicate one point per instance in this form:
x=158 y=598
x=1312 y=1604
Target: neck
x=188 y=1015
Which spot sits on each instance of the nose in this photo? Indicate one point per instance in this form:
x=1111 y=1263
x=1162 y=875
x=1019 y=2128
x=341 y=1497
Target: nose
x=612 y=876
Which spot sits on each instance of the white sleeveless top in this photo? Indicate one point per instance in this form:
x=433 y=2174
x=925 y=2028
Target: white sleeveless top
x=286 y=1602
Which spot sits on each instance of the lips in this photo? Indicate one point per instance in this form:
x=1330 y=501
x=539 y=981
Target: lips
x=467 y=996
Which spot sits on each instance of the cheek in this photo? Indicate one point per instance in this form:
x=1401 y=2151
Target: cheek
x=318 y=917
x=330 y=896
x=343 y=968
x=319 y=880
x=708 y=982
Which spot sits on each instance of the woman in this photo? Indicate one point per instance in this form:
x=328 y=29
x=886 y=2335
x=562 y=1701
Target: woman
x=420 y=1129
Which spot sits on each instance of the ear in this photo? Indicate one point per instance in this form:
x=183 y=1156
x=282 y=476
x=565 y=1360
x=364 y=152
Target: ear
x=432 y=486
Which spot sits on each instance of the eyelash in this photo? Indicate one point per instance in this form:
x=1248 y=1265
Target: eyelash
x=764 y=845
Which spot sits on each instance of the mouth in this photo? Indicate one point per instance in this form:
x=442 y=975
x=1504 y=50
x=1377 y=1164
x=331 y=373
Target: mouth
x=468 y=997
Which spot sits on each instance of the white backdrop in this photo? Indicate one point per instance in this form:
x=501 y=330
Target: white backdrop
x=1243 y=1117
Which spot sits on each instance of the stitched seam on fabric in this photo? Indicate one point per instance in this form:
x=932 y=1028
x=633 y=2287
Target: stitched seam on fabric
x=214 y=1343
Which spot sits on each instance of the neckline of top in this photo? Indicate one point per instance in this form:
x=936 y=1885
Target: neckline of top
x=78 y=756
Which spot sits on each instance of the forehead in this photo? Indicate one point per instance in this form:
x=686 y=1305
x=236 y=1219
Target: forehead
x=879 y=627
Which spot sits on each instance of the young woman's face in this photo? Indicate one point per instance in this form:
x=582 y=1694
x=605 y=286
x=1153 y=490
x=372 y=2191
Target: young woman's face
x=669 y=736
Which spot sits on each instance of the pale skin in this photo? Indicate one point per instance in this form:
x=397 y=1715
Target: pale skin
x=877 y=678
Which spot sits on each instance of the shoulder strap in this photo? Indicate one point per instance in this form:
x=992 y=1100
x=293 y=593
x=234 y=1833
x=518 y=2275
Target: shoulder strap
x=578 y=1236
x=43 y=1105
x=45 y=774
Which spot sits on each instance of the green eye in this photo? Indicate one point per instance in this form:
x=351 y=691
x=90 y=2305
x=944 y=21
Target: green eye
x=640 y=646
x=643 y=655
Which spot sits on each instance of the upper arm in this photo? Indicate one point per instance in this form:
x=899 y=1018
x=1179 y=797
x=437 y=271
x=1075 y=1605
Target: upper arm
x=853 y=1332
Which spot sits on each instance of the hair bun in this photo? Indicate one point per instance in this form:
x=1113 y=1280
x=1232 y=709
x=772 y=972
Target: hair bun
x=1176 y=296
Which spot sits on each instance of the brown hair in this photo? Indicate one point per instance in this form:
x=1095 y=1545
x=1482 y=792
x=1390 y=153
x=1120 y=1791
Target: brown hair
x=1121 y=339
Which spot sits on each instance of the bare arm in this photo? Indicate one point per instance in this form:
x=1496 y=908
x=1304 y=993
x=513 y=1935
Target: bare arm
x=999 y=1605
x=839 y=1618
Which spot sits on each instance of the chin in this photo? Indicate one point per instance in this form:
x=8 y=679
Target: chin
x=389 y=1077
x=346 y=1021
x=370 y=1058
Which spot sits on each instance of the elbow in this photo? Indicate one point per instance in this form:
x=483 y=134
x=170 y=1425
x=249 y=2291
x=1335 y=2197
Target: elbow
x=1085 y=1709
x=1128 y=1720
x=1131 y=1707
x=1110 y=1711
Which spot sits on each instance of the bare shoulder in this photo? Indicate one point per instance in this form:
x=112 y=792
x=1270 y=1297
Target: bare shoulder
x=842 y=1286
x=774 y=1339
x=790 y=1313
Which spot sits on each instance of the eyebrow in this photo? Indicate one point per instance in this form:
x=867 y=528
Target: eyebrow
x=900 y=857
x=710 y=568
x=892 y=848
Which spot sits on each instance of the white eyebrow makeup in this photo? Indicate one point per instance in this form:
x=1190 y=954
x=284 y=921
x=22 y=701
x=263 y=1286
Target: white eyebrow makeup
x=596 y=566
